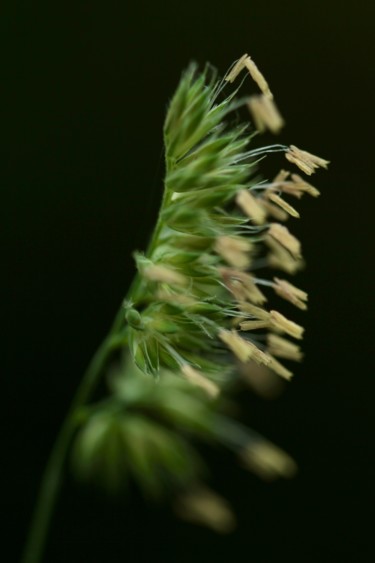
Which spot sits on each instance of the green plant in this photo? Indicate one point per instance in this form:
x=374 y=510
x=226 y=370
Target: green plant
x=195 y=321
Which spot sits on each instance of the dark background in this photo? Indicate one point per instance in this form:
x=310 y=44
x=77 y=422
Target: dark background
x=83 y=92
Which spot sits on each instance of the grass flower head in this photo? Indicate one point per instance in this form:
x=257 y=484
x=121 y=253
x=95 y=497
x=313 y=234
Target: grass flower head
x=198 y=312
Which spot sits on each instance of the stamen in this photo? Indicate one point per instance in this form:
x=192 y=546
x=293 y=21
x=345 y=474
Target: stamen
x=283 y=348
x=268 y=461
x=203 y=506
x=265 y=114
x=280 y=258
x=250 y=207
x=257 y=312
x=258 y=77
x=242 y=349
x=257 y=355
x=297 y=187
x=242 y=286
x=163 y=274
x=254 y=325
x=284 y=205
x=234 y=250
x=301 y=184
x=281 y=323
x=198 y=379
x=236 y=344
x=281 y=370
x=306 y=161
x=281 y=176
x=285 y=238
x=236 y=69
x=274 y=211
x=291 y=293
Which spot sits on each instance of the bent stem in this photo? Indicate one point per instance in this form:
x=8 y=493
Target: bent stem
x=53 y=474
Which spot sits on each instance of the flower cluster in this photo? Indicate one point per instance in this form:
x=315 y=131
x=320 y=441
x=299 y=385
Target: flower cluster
x=198 y=309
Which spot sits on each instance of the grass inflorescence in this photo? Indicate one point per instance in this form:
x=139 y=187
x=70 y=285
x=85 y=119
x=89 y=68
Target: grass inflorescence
x=196 y=319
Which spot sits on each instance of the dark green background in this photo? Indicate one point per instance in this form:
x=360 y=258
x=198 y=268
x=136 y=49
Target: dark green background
x=83 y=92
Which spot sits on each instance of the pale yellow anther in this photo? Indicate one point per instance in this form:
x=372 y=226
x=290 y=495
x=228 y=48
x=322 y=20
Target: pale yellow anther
x=281 y=176
x=233 y=284
x=257 y=355
x=274 y=210
x=268 y=461
x=285 y=238
x=281 y=370
x=284 y=262
x=301 y=184
x=282 y=348
x=254 y=325
x=306 y=161
x=162 y=274
x=281 y=323
x=291 y=189
x=251 y=207
x=236 y=344
x=265 y=114
x=198 y=379
x=302 y=165
x=236 y=69
x=252 y=291
x=234 y=250
x=243 y=349
x=203 y=506
x=283 y=204
x=258 y=77
x=281 y=259
x=254 y=311
x=282 y=183
x=242 y=286
x=291 y=293
x=316 y=161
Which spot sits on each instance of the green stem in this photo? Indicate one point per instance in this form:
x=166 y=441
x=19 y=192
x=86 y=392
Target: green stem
x=53 y=474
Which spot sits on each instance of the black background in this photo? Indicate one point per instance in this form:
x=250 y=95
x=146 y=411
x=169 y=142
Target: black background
x=83 y=92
